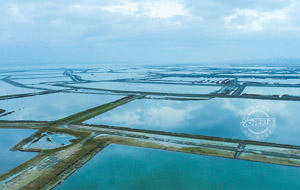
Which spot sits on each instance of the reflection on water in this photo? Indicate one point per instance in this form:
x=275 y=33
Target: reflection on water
x=147 y=87
x=7 y=89
x=215 y=117
x=122 y=167
x=11 y=159
x=52 y=106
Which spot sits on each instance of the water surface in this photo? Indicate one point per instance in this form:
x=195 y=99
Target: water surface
x=272 y=90
x=215 y=117
x=123 y=167
x=147 y=87
x=8 y=139
x=52 y=106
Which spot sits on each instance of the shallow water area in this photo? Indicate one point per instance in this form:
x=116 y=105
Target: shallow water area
x=8 y=139
x=272 y=91
x=146 y=87
x=50 y=141
x=8 y=89
x=123 y=167
x=52 y=106
x=216 y=117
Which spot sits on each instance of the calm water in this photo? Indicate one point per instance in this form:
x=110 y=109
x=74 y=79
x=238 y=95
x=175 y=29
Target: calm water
x=11 y=159
x=52 y=106
x=165 y=88
x=215 y=117
x=123 y=167
x=272 y=90
x=7 y=89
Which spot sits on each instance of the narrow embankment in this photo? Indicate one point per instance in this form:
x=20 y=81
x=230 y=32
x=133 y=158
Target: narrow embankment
x=239 y=90
x=90 y=113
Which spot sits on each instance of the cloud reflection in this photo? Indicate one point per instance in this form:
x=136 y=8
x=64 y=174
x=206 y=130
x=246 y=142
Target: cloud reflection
x=215 y=117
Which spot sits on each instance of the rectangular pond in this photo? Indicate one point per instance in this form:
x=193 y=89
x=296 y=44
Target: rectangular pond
x=8 y=139
x=147 y=87
x=123 y=167
x=40 y=80
x=269 y=80
x=216 y=117
x=52 y=106
x=272 y=90
x=200 y=80
x=8 y=89
x=108 y=76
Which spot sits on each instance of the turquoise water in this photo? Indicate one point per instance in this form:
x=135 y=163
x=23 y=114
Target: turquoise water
x=215 y=117
x=11 y=159
x=123 y=167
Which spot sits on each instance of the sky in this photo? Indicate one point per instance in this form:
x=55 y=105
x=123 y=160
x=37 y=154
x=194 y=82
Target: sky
x=153 y=31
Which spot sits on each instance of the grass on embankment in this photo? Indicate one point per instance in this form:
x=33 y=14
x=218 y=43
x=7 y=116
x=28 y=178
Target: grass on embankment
x=90 y=113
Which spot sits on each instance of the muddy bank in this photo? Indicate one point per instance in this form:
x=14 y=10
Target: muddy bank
x=2 y=111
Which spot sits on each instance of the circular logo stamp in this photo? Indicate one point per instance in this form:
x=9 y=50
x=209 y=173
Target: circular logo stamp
x=258 y=124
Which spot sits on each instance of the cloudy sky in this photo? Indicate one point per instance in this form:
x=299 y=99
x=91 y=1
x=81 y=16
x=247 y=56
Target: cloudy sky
x=148 y=30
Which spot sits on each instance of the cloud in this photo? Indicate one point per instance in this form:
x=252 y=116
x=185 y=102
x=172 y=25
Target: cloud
x=283 y=19
x=159 y=9
x=15 y=11
x=156 y=30
x=67 y=23
x=154 y=9
x=254 y=19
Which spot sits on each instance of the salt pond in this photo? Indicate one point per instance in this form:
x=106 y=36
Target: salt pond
x=270 y=80
x=52 y=106
x=107 y=76
x=163 y=88
x=43 y=80
x=215 y=117
x=272 y=90
x=11 y=159
x=49 y=141
x=8 y=89
x=123 y=167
